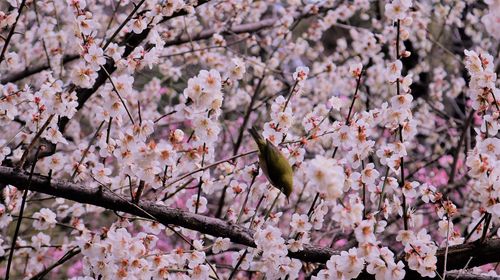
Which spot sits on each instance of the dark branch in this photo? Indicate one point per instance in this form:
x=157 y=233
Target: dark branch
x=33 y=70
x=206 y=34
x=458 y=256
x=165 y=215
x=130 y=41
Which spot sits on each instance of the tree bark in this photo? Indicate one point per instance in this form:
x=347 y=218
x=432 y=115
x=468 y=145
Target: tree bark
x=458 y=255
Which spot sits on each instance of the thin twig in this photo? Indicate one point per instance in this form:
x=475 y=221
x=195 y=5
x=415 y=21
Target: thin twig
x=272 y=206
x=43 y=40
x=383 y=189
x=110 y=40
x=20 y=218
x=34 y=141
x=235 y=270
x=182 y=177
x=347 y=121
x=84 y=155
x=446 y=250
x=163 y=116
x=246 y=197
x=119 y=96
x=198 y=195
x=108 y=133
x=354 y=97
x=400 y=131
x=459 y=145
x=256 y=209
x=464 y=268
x=487 y=221
x=139 y=111
x=474 y=229
x=70 y=254
x=11 y=32
x=112 y=17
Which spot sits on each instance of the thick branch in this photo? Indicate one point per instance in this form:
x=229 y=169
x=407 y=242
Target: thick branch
x=470 y=276
x=165 y=215
x=458 y=256
x=481 y=253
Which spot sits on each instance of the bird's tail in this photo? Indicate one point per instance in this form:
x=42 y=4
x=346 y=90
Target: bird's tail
x=256 y=136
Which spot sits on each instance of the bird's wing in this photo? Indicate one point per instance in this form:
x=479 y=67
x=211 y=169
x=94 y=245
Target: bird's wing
x=263 y=164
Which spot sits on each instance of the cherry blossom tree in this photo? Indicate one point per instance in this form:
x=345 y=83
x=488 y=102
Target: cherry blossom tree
x=125 y=152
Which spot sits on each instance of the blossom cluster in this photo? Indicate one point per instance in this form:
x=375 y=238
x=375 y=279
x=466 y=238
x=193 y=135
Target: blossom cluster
x=117 y=254
x=483 y=159
x=387 y=113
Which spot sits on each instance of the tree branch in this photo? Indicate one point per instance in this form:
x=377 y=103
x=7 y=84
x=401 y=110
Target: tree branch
x=66 y=257
x=470 y=276
x=206 y=34
x=12 y=29
x=243 y=28
x=165 y=215
x=130 y=41
x=458 y=255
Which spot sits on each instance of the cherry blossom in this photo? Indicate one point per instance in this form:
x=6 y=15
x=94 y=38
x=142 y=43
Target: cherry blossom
x=44 y=219
x=125 y=152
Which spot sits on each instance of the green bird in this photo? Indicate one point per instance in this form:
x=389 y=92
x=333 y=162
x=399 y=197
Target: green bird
x=274 y=164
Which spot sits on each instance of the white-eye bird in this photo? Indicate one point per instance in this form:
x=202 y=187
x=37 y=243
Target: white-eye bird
x=274 y=164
